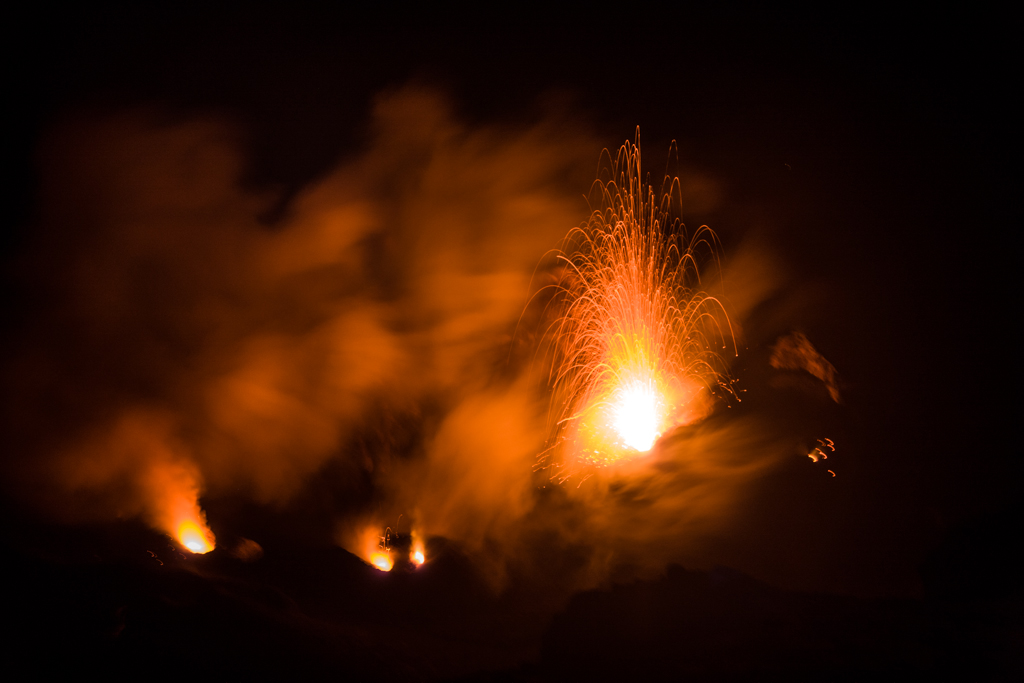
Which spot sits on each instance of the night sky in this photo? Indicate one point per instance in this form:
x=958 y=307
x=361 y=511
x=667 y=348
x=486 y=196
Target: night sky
x=288 y=256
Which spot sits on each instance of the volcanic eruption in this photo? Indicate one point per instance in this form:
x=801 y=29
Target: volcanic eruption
x=637 y=343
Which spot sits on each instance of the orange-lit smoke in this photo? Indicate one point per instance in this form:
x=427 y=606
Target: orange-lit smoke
x=139 y=467
x=181 y=347
x=178 y=512
x=173 y=326
x=796 y=352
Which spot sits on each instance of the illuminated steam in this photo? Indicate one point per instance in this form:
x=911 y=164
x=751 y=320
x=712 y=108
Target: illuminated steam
x=181 y=349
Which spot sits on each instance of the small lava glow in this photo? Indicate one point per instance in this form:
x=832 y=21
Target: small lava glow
x=382 y=561
x=374 y=548
x=175 y=489
x=417 y=552
x=195 y=537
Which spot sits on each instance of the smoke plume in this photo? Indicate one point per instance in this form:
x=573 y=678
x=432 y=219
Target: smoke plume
x=178 y=346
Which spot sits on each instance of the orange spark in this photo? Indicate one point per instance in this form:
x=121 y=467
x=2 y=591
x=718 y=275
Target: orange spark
x=636 y=341
x=819 y=454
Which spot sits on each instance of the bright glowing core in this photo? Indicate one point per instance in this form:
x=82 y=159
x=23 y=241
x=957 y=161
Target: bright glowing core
x=636 y=416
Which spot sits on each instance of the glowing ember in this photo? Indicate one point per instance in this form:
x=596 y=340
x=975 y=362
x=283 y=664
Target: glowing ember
x=636 y=342
x=819 y=454
x=195 y=537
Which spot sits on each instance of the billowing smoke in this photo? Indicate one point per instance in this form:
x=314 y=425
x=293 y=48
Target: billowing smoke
x=180 y=346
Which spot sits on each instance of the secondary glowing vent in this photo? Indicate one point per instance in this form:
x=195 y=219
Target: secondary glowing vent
x=195 y=537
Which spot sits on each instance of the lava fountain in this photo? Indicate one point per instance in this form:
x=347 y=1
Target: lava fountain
x=638 y=345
